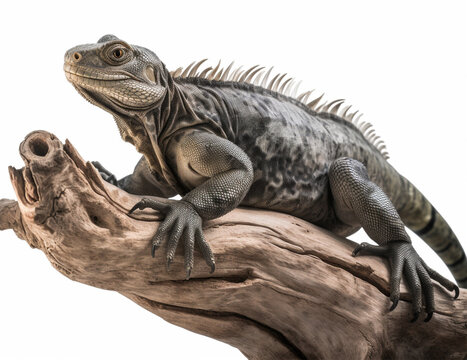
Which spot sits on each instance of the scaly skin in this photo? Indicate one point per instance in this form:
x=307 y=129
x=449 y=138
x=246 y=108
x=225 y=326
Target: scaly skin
x=221 y=144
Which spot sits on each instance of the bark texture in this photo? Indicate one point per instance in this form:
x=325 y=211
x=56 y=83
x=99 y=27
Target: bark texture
x=282 y=289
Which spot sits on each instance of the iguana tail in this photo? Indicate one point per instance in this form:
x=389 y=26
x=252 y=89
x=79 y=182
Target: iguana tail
x=421 y=217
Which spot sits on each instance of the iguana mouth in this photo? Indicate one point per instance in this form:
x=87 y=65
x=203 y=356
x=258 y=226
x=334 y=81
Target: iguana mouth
x=76 y=73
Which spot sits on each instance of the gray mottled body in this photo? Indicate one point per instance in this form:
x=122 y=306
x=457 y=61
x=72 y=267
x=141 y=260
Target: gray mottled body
x=220 y=141
x=290 y=146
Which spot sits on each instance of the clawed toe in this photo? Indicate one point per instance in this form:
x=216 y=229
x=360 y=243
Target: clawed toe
x=150 y=203
x=394 y=304
x=358 y=248
x=428 y=316
x=138 y=206
x=415 y=317
x=368 y=249
x=169 y=262
x=188 y=274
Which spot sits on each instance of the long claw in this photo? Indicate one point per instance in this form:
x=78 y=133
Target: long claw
x=394 y=304
x=169 y=261
x=205 y=249
x=415 y=317
x=428 y=317
x=442 y=280
x=135 y=207
x=368 y=249
x=358 y=248
x=152 y=204
x=188 y=274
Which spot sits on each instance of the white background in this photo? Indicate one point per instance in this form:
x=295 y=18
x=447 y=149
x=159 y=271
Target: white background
x=402 y=63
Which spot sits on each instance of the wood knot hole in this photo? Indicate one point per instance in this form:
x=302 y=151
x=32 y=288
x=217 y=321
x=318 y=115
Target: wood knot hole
x=39 y=147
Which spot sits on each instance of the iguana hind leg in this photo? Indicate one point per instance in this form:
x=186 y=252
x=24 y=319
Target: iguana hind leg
x=357 y=200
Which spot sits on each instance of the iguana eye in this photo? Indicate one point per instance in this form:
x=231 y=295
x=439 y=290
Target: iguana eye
x=118 y=53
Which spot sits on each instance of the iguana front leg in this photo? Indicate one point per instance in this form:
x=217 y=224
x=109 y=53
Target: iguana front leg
x=219 y=175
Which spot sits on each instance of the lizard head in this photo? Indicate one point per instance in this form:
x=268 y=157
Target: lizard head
x=120 y=78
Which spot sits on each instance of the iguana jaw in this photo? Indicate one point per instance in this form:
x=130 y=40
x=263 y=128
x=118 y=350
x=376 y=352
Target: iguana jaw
x=121 y=88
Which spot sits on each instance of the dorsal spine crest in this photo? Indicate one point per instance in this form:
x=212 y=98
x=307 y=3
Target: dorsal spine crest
x=287 y=87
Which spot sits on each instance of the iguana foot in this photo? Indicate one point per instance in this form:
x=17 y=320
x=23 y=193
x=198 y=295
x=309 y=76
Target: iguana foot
x=181 y=222
x=404 y=259
x=106 y=174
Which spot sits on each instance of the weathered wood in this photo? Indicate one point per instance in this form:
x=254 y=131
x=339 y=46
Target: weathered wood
x=282 y=289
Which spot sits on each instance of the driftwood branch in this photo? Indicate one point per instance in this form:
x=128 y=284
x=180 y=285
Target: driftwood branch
x=282 y=289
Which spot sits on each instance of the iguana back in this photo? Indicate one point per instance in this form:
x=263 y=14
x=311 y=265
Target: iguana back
x=291 y=145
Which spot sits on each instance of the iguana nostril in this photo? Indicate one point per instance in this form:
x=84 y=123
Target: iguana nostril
x=76 y=56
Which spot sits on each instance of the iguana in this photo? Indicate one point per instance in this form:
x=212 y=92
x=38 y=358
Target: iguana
x=222 y=138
